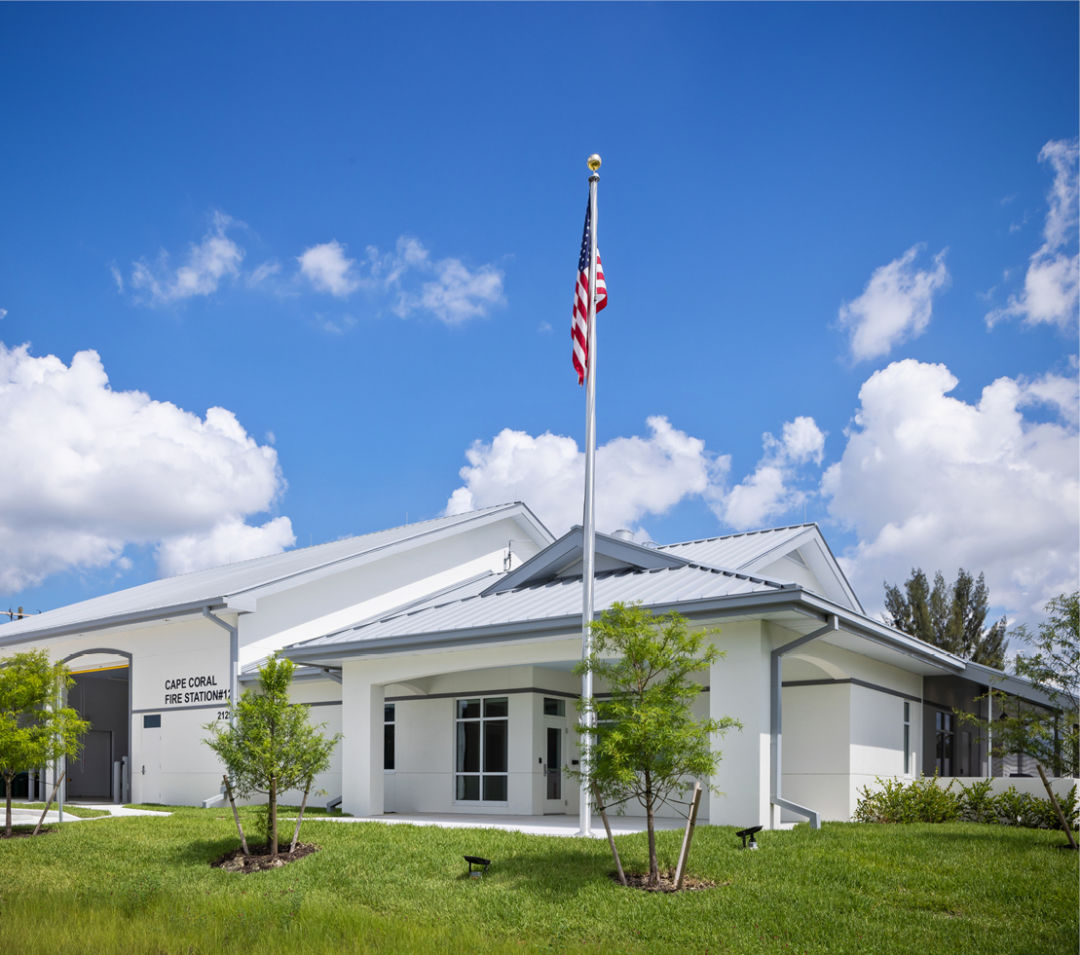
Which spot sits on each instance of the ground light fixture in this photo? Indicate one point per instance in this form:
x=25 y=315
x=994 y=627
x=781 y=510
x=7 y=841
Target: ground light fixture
x=477 y=866
x=745 y=834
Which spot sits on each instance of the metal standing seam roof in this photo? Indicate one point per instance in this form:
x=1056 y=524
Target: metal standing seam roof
x=736 y=550
x=213 y=586
x=551 y=600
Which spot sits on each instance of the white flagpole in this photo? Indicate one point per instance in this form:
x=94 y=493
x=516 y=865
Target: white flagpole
x=588 y=557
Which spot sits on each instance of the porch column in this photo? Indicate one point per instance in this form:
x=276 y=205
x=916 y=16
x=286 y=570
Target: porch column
x=362 y=702
x=739 y=687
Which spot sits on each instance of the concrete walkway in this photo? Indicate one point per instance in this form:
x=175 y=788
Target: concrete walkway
x=29 y=817
x=534 y=825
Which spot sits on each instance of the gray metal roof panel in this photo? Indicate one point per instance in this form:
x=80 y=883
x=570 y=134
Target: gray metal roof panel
x=558 y=598
x=214 y=585
x=736 y=550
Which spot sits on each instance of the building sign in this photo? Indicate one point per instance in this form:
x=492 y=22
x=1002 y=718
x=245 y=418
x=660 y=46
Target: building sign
x=194 y=688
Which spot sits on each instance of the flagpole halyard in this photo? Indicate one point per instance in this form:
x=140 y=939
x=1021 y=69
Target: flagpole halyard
x=589 y=516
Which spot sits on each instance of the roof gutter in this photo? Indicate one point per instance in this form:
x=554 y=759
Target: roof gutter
x=776 y=670
x=787 y=598
x=234 y=656
x=116 y=620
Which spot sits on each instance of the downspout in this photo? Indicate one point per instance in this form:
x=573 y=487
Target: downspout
x=234 y=655
x=777 y=712
x=234 y=684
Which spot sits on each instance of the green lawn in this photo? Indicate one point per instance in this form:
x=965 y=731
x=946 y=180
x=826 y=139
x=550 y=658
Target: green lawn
x=144 y=885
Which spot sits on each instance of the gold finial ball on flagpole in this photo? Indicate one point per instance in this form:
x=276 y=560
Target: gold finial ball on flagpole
x=593 y=162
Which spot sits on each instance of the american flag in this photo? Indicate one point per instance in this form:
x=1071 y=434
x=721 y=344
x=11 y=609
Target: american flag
x=579 y=329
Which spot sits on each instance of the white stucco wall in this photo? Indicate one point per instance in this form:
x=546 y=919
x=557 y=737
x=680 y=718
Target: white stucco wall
x=425 y=739
x=175 y=661
x=338 y=600
x=739 y=687
x=843 y=727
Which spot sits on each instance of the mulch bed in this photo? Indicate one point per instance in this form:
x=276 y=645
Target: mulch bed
x=640 y=880
x=236 y=861
x=26 y=833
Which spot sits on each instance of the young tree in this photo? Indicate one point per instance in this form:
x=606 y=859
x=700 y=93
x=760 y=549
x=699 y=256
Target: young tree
x=1049 y=736
x=647 y=744
x=35 y=727
x=950 y=616
x=269 y=746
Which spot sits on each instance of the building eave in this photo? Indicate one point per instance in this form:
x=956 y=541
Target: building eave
x=789 y=598
x=153 y=615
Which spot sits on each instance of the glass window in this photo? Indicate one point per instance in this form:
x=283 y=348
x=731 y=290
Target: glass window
x=553 y=707
x=468 y=747
x=907 y=738
x=943 y=731
x=388 y=736
x=481 y=757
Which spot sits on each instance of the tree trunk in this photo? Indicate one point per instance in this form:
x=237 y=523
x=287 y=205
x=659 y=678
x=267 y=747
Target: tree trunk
x=8 y=777
x=300 y=816
x=236 y=816
x=48 y=805
x=273 y=817
x=691 y=821
x=654 y=866
x=1057 y=805
x=602 y=809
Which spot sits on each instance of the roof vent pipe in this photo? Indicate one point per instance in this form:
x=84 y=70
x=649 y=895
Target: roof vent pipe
x=623 y=534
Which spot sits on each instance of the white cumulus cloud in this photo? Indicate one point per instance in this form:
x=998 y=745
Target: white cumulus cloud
x=455 y=293
x=895 y=305
x=96 y=470
x=229 y=541
x=407 y=278
x=772 y=489
x=635 y=476
x=328 y=270
x=1051 y=289
x=210 y=261
x=928 y=480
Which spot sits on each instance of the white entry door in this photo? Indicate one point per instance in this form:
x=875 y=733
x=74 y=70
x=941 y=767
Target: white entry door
x=556 y=781
x=147 y=772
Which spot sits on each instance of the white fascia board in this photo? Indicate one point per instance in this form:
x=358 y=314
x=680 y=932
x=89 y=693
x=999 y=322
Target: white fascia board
x=116 y=620
x=248 y=599
x=811 y=535
x=1013 y=684
x=533 y=526
x=866 y=627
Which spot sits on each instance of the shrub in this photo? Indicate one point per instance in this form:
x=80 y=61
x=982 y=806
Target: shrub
x=923 y=800
x=977 y=802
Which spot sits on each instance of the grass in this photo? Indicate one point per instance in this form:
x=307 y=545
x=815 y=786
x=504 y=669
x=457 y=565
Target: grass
x=144 y=885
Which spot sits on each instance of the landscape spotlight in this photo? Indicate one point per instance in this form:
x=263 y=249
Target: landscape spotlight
x=481 y=866
x=744 y=833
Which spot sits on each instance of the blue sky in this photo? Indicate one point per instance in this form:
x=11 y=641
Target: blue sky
x=839 y=240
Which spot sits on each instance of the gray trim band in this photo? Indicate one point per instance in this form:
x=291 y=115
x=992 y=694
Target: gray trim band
x=176 y=709
x=463 y=694
x=563 y=694
x=854 y=681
